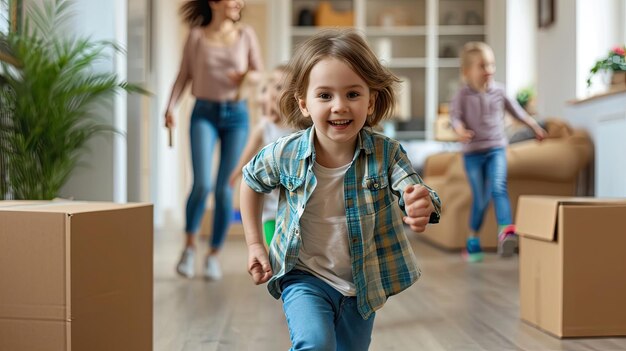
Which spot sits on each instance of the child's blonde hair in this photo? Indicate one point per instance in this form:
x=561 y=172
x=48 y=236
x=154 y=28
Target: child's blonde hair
x=349 y=47
x=268 y=79
x=285 y=70
x=471 y=49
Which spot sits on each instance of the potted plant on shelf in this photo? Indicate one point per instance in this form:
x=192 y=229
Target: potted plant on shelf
x=48 y=92
x=614 y=63
x=526 y=98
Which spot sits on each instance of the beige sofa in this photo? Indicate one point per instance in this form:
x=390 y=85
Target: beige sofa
x=550 y=167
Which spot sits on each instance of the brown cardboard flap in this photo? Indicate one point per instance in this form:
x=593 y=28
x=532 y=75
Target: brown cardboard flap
x=69 y=207
x=537 y=216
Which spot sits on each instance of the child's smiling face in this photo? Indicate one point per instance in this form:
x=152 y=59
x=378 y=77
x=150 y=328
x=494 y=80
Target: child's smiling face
x=338 y=101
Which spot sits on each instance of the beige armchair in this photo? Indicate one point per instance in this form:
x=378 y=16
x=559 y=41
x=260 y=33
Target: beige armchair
x=550 y=167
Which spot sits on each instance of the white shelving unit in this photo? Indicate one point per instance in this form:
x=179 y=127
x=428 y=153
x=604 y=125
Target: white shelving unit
x=418 y=40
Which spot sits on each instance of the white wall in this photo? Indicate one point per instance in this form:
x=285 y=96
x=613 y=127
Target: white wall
x=512 y=35
x=556 y=61
x=496 y=34
x=139 y=71
x=521 y=66
x=168 y=165
x=584 y=31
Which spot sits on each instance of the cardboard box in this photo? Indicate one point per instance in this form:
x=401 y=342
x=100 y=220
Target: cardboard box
x=573 y=265
x=75 y=276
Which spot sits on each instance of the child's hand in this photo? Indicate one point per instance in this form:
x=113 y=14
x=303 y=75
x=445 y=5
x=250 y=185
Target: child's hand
x=540 y=133
x=418 y=206
x=259 y=264
x=465 y=135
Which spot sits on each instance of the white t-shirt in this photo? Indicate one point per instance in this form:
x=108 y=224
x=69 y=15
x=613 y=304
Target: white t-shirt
x=325 y=252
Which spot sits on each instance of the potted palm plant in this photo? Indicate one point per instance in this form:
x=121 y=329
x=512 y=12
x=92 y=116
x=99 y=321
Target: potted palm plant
x=49 y=89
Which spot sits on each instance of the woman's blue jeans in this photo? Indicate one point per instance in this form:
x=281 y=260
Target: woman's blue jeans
x=486 y=172
x=320 y=318
x=211 y=120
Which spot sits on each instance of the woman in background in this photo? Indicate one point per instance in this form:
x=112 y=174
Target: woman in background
x=218 y=55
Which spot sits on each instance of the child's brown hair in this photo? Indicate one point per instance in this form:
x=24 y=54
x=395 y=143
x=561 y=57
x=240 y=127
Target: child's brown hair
x=349 y=47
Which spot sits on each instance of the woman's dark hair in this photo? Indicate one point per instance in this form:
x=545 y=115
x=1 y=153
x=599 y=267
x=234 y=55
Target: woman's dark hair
x=197 y=12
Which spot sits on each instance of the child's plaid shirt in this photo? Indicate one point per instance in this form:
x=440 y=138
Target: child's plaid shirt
x=383 y=263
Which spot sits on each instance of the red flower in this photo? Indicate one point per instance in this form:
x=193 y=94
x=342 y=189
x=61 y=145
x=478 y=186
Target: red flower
x=618 y=50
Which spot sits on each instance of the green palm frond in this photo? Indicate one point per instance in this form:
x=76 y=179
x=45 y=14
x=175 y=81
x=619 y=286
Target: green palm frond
x=52 y=92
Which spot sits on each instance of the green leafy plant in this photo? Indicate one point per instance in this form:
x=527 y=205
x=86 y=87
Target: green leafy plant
x=49 y=93
x=614 y=61
x=524 y=96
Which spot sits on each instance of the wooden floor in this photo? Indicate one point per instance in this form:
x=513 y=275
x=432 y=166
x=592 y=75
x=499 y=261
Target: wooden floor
x=454 y=306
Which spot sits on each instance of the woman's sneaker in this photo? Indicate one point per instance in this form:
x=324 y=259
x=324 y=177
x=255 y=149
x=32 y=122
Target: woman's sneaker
x=507 y=241
x=473 y=253
x=185 y=266
x=212 y=270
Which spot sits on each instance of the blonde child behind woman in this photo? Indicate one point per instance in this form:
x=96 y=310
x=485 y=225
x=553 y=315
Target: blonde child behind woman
x=270 y=128
x=218 y=54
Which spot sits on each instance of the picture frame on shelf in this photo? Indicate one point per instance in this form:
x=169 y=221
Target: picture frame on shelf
x=545 y=13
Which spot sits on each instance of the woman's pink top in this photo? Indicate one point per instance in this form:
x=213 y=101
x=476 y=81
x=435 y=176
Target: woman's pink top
x=206 y=65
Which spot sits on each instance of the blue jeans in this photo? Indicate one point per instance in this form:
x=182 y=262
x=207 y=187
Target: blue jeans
x=211 y=120
x=486 y=172
x=320 y=318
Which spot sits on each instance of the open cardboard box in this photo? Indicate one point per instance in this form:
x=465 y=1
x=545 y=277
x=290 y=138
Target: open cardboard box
x=75 y=276
x=573 y=265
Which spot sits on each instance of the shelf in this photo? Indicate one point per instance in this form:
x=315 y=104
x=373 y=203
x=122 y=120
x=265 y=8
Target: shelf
x=405 y=62
x=303 y=31
x=418 y=40
x=395 y=31
x=448 y=63
x=461 y=30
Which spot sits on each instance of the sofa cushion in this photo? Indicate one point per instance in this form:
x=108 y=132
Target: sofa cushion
x=517 y=132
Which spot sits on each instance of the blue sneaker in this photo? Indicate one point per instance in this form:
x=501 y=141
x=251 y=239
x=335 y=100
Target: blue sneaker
x=473 y=253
